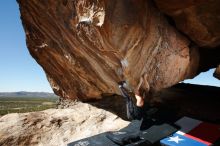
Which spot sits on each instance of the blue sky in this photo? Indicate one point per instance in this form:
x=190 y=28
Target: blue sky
x=205 y=78
x=19 y=71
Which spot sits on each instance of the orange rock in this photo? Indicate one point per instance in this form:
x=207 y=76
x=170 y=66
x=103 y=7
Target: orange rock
x=86 y=46
x=217 y=72
x=198 y=19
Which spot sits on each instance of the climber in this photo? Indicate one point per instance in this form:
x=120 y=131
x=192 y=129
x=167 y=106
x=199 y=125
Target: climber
x=134 y=110
x=139 y=109
x=153 y=127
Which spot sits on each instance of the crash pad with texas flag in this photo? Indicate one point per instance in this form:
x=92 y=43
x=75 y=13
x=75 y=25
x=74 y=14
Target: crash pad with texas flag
x=193 y=133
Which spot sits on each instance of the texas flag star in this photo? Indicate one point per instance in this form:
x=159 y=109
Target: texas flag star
x=175 y=139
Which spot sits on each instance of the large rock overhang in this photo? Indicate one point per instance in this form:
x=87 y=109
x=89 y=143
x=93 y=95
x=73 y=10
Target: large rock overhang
x=87 y=46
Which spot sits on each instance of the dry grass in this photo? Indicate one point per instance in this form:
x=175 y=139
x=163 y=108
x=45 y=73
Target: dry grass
x=25 y=104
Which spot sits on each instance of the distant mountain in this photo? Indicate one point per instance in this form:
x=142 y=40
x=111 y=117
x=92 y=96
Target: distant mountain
x=27 y=94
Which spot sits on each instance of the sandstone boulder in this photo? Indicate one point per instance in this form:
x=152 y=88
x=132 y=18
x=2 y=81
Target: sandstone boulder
x=217 y=72
x=57 y=127
x=198 y=19
x=86 y=46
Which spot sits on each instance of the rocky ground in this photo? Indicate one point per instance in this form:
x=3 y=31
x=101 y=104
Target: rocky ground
x=57 y=127
x=76 y=120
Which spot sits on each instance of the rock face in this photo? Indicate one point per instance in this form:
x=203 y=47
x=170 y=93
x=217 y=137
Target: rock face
x=87 y=46
x=217 y=72
x=57 y=127
x=198 y=19
x=198 y=101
